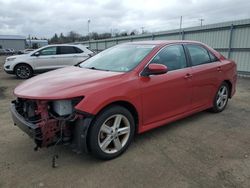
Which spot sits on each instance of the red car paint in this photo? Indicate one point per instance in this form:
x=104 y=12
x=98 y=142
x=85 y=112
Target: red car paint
x=157 y=99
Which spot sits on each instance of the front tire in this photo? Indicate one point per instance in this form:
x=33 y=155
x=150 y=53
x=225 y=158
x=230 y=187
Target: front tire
x=111 y=132
x=23 y=71
x=221 y=98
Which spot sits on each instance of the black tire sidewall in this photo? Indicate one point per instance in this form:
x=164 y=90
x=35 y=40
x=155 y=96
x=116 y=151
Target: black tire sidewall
x=30 y=69
x=95 y=128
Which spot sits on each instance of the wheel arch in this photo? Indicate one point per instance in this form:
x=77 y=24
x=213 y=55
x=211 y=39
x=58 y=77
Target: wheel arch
x=229 y=83
x=23 y=63
x=129 y=106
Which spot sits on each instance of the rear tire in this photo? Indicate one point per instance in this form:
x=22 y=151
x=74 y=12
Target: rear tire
x=221 y=98
x=111 y=132
x=23 y=71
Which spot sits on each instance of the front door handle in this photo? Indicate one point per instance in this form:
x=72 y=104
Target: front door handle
x=188 y=75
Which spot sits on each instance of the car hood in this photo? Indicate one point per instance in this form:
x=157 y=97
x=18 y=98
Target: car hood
x=17 y=56
x=66 y=83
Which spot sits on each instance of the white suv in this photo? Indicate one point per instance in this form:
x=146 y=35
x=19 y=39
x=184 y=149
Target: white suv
x=46 y=58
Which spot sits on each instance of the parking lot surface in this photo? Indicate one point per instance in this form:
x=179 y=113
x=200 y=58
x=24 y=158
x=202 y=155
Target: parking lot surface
x=204 y=150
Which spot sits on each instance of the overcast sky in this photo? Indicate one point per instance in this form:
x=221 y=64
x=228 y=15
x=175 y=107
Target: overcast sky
x=43 y=18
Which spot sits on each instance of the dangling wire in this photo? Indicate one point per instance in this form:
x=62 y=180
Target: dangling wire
x=56 y=156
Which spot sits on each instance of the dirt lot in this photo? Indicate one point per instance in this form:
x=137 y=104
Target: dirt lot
x=205 y=150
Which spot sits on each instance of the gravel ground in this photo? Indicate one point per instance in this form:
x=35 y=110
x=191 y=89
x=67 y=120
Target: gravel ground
x=204 y=150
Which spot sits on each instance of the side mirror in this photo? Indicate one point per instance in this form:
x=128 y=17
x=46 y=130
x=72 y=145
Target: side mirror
x=154 y=69
x=37 y=54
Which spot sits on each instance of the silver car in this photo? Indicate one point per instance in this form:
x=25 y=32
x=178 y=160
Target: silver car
x=46 y=58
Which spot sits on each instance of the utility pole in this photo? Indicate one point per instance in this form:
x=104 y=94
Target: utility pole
x=88 y=29
x=29 y=41
x=180 y=27
x=142 y=30
x=201 y=20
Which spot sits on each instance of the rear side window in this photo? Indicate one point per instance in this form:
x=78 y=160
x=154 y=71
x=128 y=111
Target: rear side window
x=198 y=54
x=172 y=56
x=68 y=50
x=78 y=50
x=213 y=58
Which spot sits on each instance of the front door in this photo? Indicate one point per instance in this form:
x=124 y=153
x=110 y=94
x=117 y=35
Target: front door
x=167 y=95
x=47 y=59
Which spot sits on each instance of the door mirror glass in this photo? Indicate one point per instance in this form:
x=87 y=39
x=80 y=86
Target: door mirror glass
x=154 y=69
x=37 y=54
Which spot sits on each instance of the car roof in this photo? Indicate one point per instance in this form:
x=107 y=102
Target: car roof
x=82 y=47
x=163 y=42
x=66 y=45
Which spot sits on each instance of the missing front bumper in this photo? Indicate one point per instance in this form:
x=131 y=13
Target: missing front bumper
x=30 y=129
x=42 y=132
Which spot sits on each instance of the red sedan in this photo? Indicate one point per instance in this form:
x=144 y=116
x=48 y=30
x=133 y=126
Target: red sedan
x=100 y=104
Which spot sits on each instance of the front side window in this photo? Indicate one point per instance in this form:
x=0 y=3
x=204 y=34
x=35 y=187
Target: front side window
x=198 y=54
x=172 y=56
x=48 y=51
x=120 y=58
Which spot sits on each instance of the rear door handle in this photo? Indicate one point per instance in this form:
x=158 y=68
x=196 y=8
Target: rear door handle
x=188 y=75
x=219 y=69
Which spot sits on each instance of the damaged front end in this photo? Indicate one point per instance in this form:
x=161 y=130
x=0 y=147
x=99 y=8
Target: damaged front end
x=52 y=122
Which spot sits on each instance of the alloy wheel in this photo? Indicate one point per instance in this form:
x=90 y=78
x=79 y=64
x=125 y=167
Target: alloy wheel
x=222 y=97
x=23 y=71
x=114 y=133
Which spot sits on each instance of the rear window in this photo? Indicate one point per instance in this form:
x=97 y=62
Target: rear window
x=68 y=50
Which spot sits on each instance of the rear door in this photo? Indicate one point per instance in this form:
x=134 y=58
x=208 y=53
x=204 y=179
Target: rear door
x=66 y=55
x=70 y=55
x=206 y=75
x=167 y=95
x=81 y=54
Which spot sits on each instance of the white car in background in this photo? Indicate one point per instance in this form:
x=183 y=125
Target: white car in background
x=26 y=51
x=46 y=58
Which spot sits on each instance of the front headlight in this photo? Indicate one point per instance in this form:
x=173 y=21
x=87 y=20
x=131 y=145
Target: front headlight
x=10 y=59
x=62 y=107
x=65 y=107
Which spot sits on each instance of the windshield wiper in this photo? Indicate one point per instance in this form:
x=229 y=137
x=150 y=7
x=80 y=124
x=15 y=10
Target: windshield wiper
x=94 y=68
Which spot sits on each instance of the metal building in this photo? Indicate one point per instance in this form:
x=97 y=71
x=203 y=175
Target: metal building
x=232 y=39
x=15 y=42
x=36 y=43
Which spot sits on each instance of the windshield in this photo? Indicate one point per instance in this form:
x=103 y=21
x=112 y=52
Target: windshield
x=121 y=58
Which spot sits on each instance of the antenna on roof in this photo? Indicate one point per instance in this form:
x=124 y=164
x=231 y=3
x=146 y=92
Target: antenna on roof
x=180 y=26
